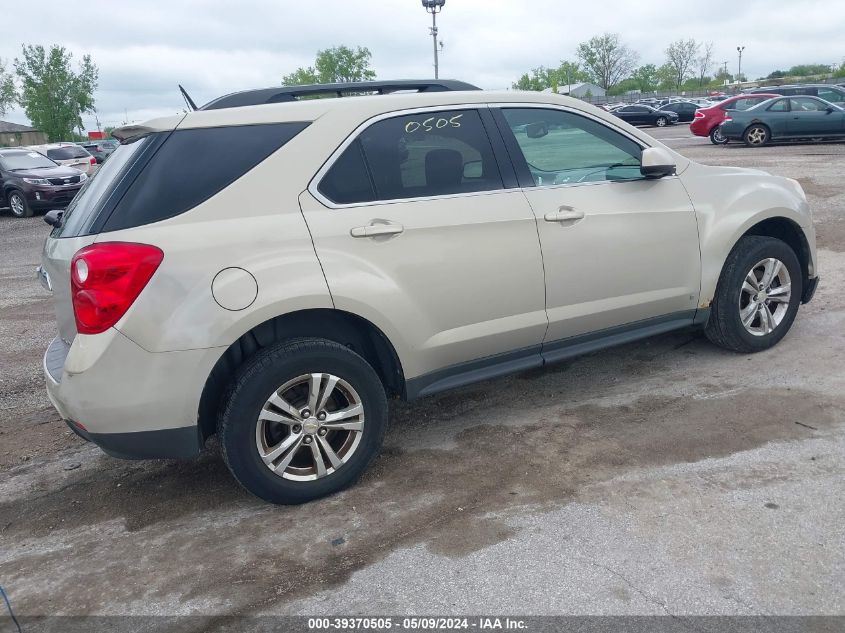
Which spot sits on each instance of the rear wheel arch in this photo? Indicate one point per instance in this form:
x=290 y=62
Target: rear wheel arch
x=338 y=326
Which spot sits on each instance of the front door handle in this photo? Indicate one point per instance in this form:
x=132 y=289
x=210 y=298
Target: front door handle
x=373 y=230
x=564 y=215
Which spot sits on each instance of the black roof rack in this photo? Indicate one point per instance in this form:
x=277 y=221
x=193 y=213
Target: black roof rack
x=292 y=93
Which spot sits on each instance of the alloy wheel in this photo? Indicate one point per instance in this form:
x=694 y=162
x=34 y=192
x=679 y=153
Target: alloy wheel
x=16 y=204
x=764 y=297
x=757 y=136
x=310 y=427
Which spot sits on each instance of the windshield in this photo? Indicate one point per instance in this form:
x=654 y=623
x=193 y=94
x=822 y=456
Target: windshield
x=66 y=153
x=15 y=161
x=81 y=212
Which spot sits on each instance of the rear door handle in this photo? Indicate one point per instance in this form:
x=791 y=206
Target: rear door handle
x=564 y=215
x=373 y=230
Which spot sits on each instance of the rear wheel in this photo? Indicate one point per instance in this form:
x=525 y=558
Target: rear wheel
x=716 y=136
x=756 y=135
x=757 y=297
x=303 y=419
x=661 y=121
x=18 y=204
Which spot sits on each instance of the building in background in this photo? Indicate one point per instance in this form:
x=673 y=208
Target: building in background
x=14 y=135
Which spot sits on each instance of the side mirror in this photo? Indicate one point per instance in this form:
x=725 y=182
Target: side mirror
x=656 y=162
x=537 y=130
x=54 y=217
x=830 y=109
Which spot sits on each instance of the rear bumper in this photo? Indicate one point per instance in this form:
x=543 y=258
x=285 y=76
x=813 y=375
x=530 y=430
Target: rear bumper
x=130 y=402
x=181 y=443
x=700 y=127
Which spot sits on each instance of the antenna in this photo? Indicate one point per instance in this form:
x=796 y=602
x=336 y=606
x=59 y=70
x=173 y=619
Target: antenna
x=188 y=100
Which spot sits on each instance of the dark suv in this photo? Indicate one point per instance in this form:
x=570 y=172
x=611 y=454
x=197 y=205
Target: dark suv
x=828 y=92
x=30 y=181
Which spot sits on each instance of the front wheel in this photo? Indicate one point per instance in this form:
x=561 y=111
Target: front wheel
x=716 y=136
x=18 y=204
x=757 y=297
x=756 y=135
x=302 y=420
x=661 y=121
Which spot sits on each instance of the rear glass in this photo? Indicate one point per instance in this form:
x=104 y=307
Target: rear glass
x=66 y=153
x=191 y=166
x=82 y=210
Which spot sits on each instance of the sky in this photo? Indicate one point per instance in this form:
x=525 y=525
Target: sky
x=145 y=48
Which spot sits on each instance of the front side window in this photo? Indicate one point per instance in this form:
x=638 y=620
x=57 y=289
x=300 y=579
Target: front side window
x=564 y=148
x=803 y=104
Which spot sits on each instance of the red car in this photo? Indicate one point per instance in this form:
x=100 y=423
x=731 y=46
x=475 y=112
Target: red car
x=707 y=120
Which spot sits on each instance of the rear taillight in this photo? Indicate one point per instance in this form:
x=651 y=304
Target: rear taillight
x=93 y=161
x=727 y=118
x=699 y=114
x=106 y=278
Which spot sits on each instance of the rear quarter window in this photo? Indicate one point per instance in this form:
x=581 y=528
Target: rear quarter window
x=192 y=165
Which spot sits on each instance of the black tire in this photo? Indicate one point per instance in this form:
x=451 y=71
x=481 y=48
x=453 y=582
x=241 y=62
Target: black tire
x=716 y=136
x=724 y=327
x=757 y=131
x=18 y=205
x=661 y=121
x=267 y=372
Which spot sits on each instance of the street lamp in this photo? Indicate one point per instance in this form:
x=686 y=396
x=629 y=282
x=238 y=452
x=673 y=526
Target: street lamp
x=434 y=7
x=739 y=50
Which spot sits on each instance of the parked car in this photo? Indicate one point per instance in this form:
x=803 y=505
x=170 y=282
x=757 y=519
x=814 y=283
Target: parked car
x=100 y=150
x=785 y=118
x=416 y=242
x=833 y=94
x=69 y=155
x=30 y=181
x=708 y=120
x=684 y=109
x=640 y=114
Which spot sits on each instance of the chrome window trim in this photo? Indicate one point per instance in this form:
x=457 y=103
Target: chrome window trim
x=333 y=157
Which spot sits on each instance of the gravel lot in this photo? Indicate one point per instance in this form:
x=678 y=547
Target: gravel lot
x=666 y=476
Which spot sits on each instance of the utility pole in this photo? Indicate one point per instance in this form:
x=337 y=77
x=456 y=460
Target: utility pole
x=739 y=50
x=434 y=7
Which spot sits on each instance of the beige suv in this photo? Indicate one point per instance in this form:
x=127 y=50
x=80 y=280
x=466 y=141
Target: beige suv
x=272 y=269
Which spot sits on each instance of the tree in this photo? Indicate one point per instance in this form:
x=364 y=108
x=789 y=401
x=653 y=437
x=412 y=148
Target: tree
x=680 y=56
x=541 y=78
x=666 y=79
x=806 y=70
x=53 y=96
x=705 y=62
x=646 y=78
x=7 y=89
x=607 y=59
x=340 y=64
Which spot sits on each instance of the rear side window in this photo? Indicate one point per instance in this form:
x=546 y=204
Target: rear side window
x=191 y=166
x=413 y=156
x=834 y=96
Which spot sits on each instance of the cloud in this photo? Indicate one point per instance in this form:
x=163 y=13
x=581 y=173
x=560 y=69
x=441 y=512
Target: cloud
x=212 y=47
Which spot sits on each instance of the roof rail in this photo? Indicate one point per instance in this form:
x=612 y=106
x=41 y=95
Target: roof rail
x=292 y=93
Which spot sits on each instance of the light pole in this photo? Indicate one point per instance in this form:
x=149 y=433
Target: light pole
x=434 y=7
x=739 y=50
